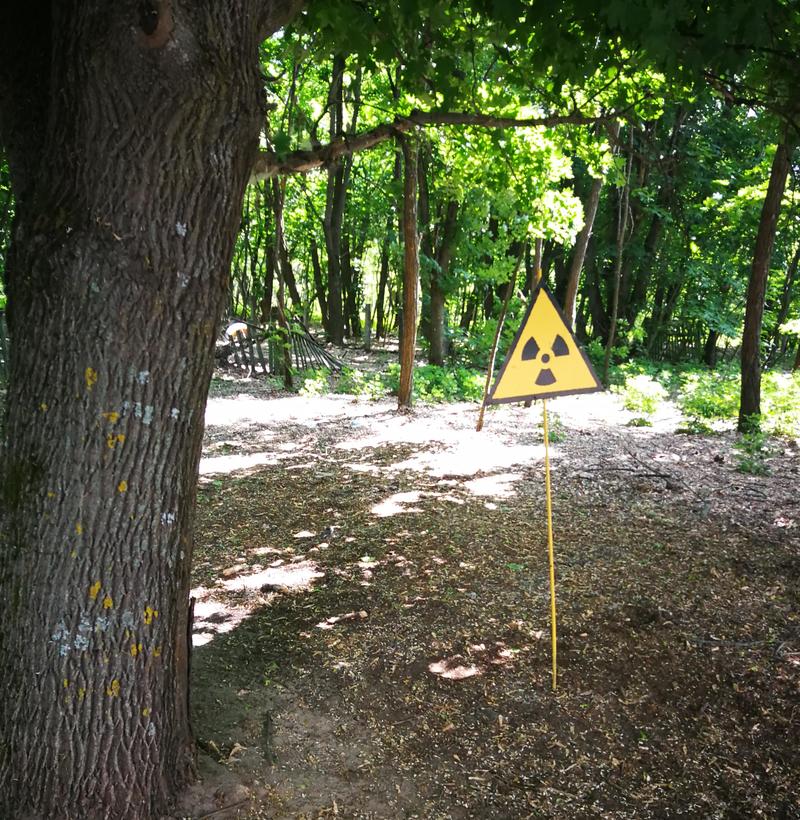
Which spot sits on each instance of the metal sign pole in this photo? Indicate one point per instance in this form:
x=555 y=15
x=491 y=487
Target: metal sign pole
x=550 y=550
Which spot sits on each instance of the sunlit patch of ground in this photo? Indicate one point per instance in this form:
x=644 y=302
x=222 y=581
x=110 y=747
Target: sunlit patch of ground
x=374 y=616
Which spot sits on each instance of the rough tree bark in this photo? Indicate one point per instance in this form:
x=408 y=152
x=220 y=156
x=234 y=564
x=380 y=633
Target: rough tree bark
x=130 y=129
x=579 y=253
x=778 y=348
x=750 y=399
x=408 y=342
x=283 y=264
x=622 y=226
x=320 y=286
x=334 y=208
x=444 y=255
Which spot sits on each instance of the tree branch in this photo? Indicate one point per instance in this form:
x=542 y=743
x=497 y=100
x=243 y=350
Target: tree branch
x=275 y=14
x=269 y=164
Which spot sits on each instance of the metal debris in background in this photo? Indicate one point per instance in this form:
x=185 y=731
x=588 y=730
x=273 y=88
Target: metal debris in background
x=259 y=350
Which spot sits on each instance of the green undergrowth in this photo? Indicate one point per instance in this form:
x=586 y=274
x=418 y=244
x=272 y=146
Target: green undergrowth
x=705 y=397
x=431 y=383
x=752 y=451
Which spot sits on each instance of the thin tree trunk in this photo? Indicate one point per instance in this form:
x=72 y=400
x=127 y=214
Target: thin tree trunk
x=638 y=287
x=426 y=242
x=320 y=286
x=265 y=306
x=383 y=281
x=117 y=277
x=594 y=298
x=710 y=349
x=750 y=400
x=498 y=330
x=622 y=225
x=352 y=320
x=282 y=263
x=438 y=295
x=383 y=284
x=470 y=311
x=538 y=252
x=410 y=271
x=334 y=209
x=579 y=253
x=786 y=303
x=283 y=323
x=582 y=242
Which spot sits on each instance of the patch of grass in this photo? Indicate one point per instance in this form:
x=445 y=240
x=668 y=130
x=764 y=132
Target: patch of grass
x=710 y=395
x=752 y=452
x=438 y=384
x=780 y=394
x=640 y=421
x=431 y=383
x=704 y=396
x=358 y=383
x=314 y=382
x=641 y=394
x=556 y=432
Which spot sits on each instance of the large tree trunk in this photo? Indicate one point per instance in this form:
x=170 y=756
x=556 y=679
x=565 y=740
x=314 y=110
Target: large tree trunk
x=129 y=174
x=750 y=400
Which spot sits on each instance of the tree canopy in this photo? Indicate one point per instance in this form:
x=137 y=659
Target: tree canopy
x=641 y=158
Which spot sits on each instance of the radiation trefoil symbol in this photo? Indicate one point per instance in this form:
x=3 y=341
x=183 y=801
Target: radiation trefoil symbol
x=545 y=359
x=531 y=352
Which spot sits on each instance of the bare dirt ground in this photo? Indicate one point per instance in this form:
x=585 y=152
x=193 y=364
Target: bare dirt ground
x=372 y=616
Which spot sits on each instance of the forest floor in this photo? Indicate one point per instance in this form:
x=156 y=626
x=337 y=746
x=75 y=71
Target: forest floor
x=372 y=634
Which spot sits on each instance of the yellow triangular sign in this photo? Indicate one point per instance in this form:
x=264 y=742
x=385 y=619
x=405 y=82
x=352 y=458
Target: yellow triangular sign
x=544 y=360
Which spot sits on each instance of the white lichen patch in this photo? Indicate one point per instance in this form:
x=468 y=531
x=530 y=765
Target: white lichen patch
x=144 y=412
x=143 y=376
x=59 y=632
x=180 y=228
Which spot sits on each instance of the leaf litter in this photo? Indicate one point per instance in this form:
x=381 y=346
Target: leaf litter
x=373 y=635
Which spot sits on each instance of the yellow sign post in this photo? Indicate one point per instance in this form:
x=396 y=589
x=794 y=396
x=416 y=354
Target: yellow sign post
x=545 y=361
